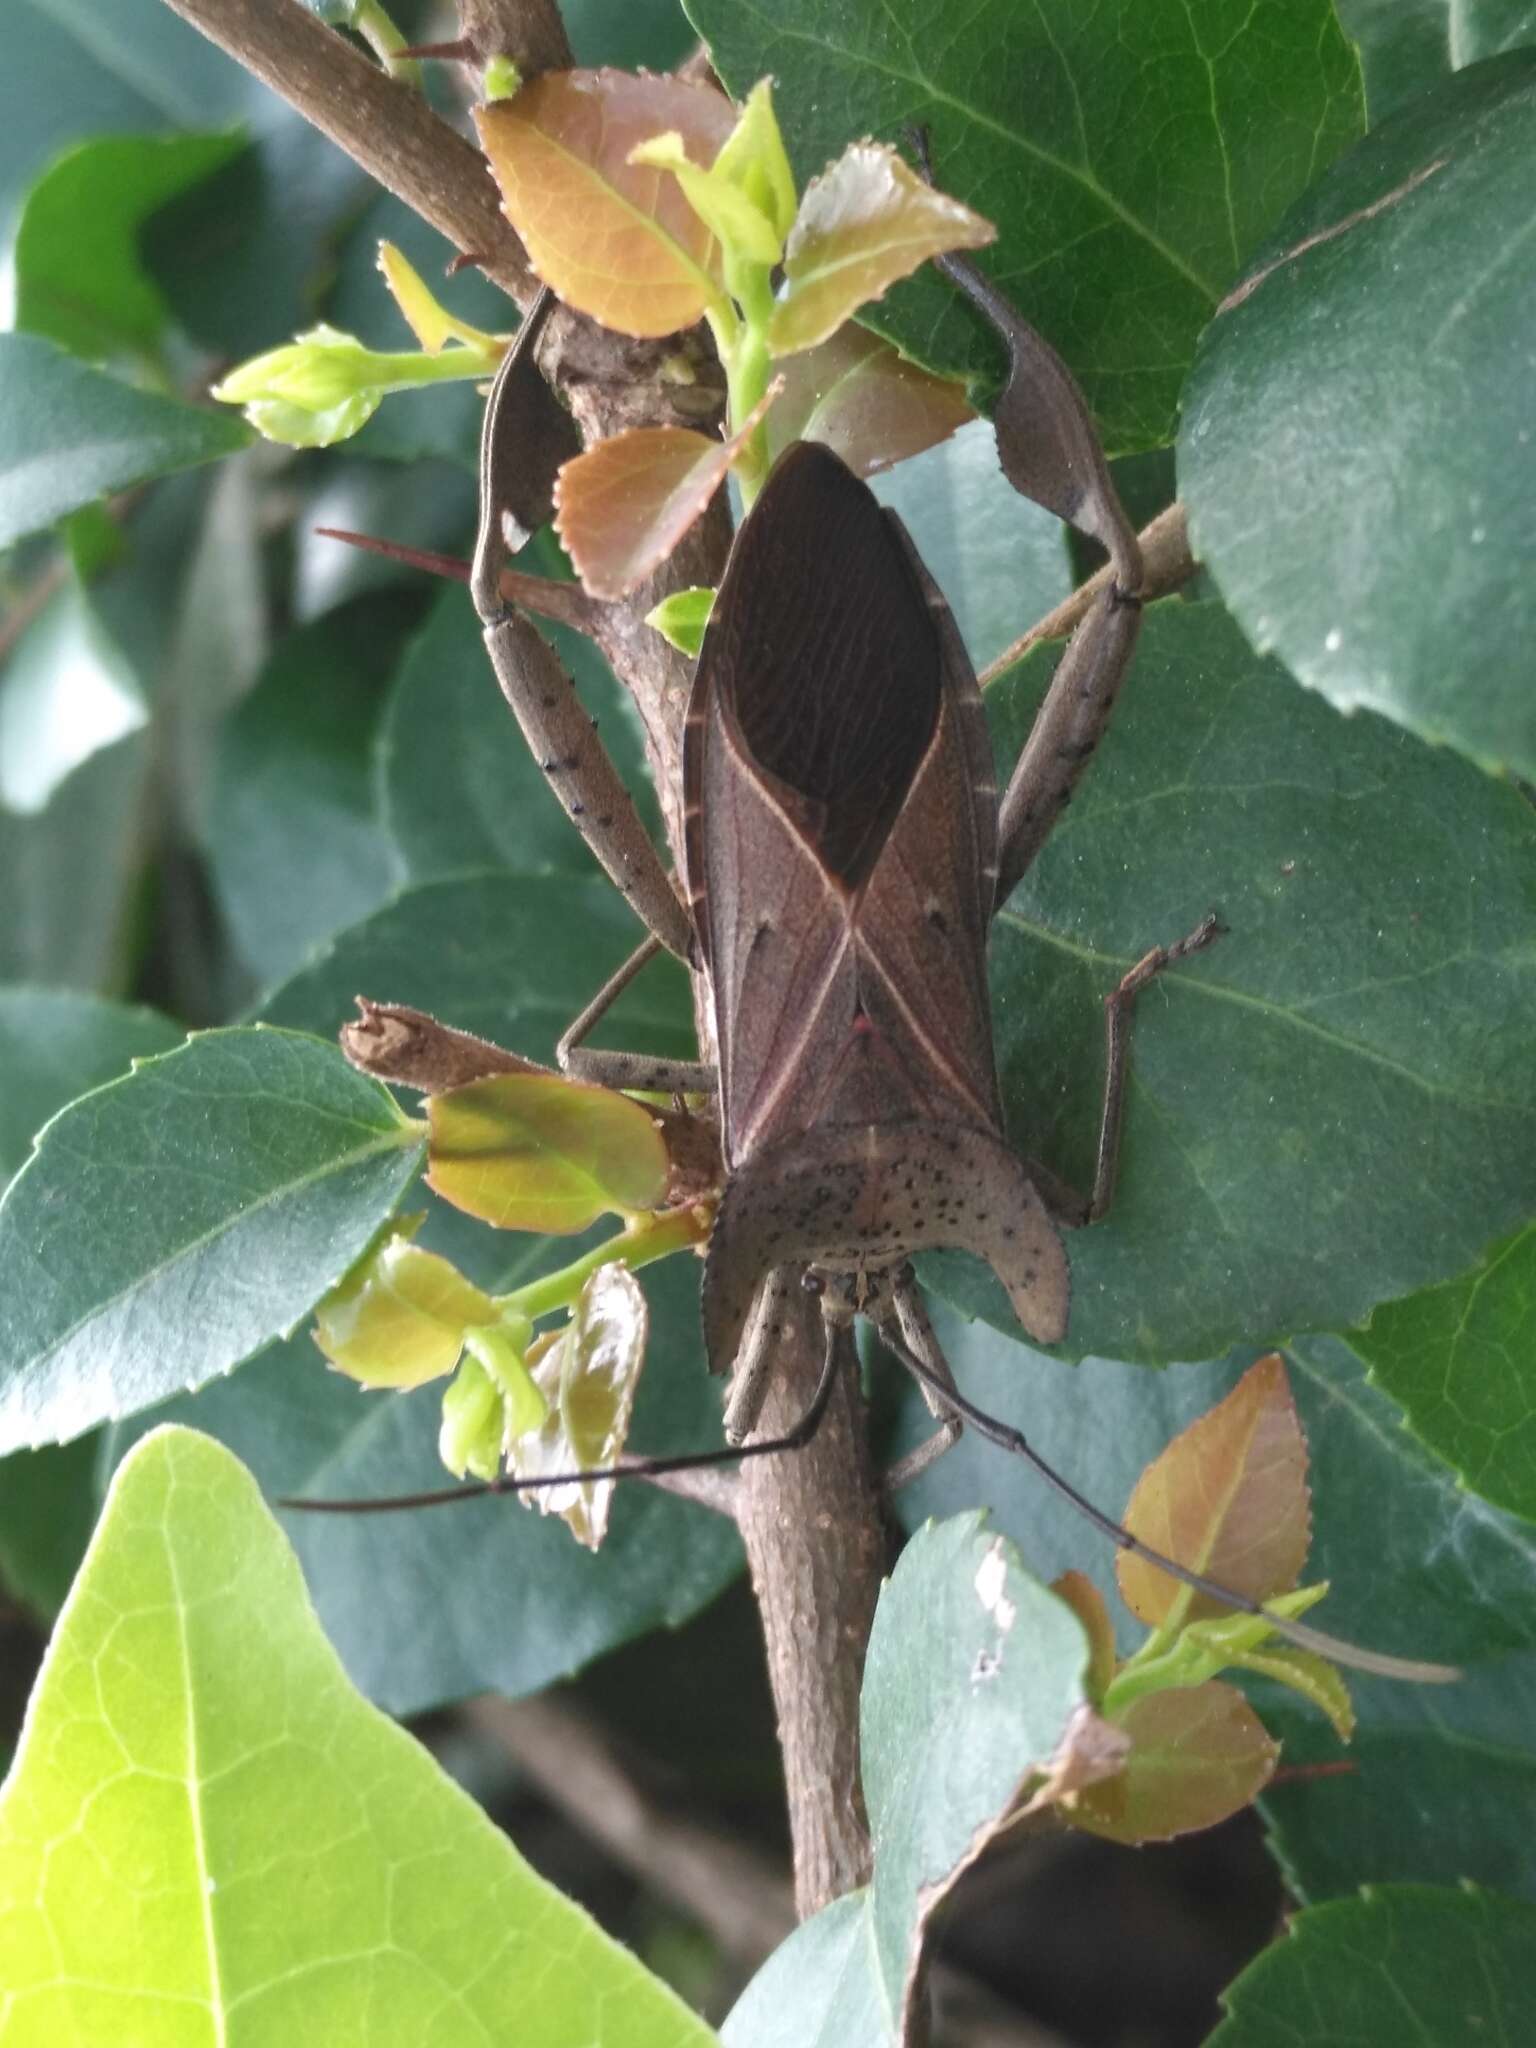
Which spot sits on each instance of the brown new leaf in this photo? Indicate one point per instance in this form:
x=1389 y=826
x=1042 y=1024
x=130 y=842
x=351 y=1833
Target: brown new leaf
x=1228 y=1498
x=866 y=221
x=616 y=240
x=856 y=394
x=1198 y=1754
x=623 y=506
x=539 y=1152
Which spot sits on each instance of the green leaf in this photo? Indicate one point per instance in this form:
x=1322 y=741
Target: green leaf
x=957 y=1713
x=819 y=1989
x=47 y=1511
x=54 y=1046
x=1406 y=45
x=1460 y=1360
x=1131 y=156
x=66 y=692
x=296 y=849
x=1336 y=1103
x=1199 y=1754
x=461 y=790
x=542 y=1152
x=1444 y=1775
x=1386 y=333
x=426 y=1608
x=79 y=280
x=242 y=1173
x=74 y=70
x=192 y=1735
x=72 y=873
x=512 y=959
x=1402 y=1961
x=68 y=435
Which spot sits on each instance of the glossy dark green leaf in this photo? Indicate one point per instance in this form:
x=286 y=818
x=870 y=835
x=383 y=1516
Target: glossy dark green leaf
x=1336 y=1103
x=240 y=1174
x=1402 y=1962
x=512 y=958
x=972 y=1673
x=1461 y=1360
x=1444 y=1775
x=68 y=435
x=108 y=66
x=1379 y=378
x=47 y=1511
x=55 y=1046
x=72 y=872
x=461 y=790
x=296 y=848
x=66 y=692
x=1408 y=45
x=243 y=257
x=819 y=1989
x=79 y=280
x=1131 y=155
x=438 y=1604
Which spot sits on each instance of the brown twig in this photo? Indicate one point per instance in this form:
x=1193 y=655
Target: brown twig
x=528 y=32
x=1168 y=564
x=385 y=126
x=811 y=1526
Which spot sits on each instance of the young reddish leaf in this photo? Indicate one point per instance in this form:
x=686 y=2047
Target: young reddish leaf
x=1228 y=1498
x=866 y=221
x=398 y=1318
x=855 y=393
x=588 y=1377
x=538 y=1152
x=616 y=240
x=623 y=506
x=1198 y=1754
x=1087 y=1603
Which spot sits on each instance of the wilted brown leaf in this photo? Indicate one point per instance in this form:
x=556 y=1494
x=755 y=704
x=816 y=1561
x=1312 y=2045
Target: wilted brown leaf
x=866 y=221
x=1198 y=1754
x=1228 y=1498
x=538 y=1152
x=616 y=240
x=588 y=1376
x=856 y=394
x=623 y=506
x=1091 y=1751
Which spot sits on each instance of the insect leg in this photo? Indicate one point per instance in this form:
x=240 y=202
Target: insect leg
x=1118 y=1005
x=1067 y=728
x=627 y=1069
x=543 y=699
x=767 y=1326
x=918 y=1334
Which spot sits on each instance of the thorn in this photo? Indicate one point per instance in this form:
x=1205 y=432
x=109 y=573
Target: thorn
x=460 y=51
x=396 y=551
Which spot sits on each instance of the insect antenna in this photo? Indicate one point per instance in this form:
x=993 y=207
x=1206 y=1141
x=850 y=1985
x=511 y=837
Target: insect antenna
x=1007 y=1438
x=795 y=1438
